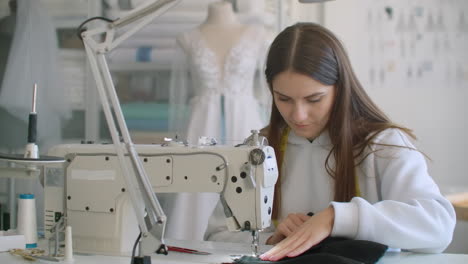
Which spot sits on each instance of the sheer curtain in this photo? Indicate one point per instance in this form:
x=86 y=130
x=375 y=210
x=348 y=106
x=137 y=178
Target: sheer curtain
x=33 y=58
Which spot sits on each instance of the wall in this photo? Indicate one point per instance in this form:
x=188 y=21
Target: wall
x=411 y=57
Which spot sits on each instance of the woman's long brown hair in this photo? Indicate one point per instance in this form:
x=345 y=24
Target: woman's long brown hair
x=354 y=121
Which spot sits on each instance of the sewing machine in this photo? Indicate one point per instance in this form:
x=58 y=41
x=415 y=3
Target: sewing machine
x=101 y=186
x=89 y=190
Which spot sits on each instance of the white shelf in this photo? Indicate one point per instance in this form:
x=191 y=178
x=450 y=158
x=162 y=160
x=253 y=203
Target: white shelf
x=137 y=66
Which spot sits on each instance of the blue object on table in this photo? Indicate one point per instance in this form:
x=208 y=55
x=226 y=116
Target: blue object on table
x=143 y=54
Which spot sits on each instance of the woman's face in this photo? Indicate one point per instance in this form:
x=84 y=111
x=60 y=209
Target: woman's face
x=304 y=103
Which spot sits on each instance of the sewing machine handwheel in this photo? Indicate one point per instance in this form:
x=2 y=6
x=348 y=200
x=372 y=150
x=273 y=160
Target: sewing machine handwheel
x=257 y=156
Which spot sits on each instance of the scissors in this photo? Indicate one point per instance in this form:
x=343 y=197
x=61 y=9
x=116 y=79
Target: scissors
x=187 y=250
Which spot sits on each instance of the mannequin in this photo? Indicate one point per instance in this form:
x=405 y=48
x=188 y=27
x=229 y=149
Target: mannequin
x=214 y=93
x=221 y=29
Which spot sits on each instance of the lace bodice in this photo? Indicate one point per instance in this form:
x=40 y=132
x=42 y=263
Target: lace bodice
x=236 y=75
x=221 y=101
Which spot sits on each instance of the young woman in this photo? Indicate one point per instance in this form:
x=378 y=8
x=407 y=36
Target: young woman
x=341 y=158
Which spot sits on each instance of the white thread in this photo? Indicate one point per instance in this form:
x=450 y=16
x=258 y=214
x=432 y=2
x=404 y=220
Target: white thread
x=68 y=244
x=27 y=219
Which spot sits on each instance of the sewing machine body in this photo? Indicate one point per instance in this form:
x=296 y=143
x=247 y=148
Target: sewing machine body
x=90 y=192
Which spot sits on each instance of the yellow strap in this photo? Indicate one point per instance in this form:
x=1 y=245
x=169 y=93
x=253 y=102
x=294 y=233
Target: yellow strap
x=284 y=140
x=275 y=222
x=358 y=190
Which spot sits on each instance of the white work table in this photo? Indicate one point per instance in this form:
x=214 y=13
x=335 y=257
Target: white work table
x=221 y=253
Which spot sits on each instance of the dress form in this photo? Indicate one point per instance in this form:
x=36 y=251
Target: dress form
x=221 y=29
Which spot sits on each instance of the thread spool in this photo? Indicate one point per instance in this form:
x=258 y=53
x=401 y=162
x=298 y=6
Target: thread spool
x=27 y=219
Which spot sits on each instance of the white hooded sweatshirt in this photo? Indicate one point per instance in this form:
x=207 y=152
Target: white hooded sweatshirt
x=400 y=205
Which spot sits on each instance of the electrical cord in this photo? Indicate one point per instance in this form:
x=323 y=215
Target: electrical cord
x=134 y=248
x=81 y=27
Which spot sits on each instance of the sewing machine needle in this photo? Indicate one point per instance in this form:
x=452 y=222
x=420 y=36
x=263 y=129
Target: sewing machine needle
x=255 y=244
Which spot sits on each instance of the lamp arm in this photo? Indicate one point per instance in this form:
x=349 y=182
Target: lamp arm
x=138 y=18
x=140 y=189
x=102 y=78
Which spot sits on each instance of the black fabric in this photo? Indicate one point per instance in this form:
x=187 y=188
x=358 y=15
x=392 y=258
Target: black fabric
x=318 y=258
x=331 y=250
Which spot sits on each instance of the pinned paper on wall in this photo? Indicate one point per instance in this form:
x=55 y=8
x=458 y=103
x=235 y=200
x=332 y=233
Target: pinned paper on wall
x=416 y=43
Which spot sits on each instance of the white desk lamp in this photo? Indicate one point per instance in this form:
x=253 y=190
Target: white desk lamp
x=150 y=216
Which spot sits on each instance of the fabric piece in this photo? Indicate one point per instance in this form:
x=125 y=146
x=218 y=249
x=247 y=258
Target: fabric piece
x=319 y=258
x=332 y=250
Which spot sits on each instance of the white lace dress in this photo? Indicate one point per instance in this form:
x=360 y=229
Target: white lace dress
x=225 y=102
x=221 y=101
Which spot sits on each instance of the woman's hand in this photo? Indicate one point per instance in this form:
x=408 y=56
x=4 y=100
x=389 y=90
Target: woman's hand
x=312 y=232
x=287 y=227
